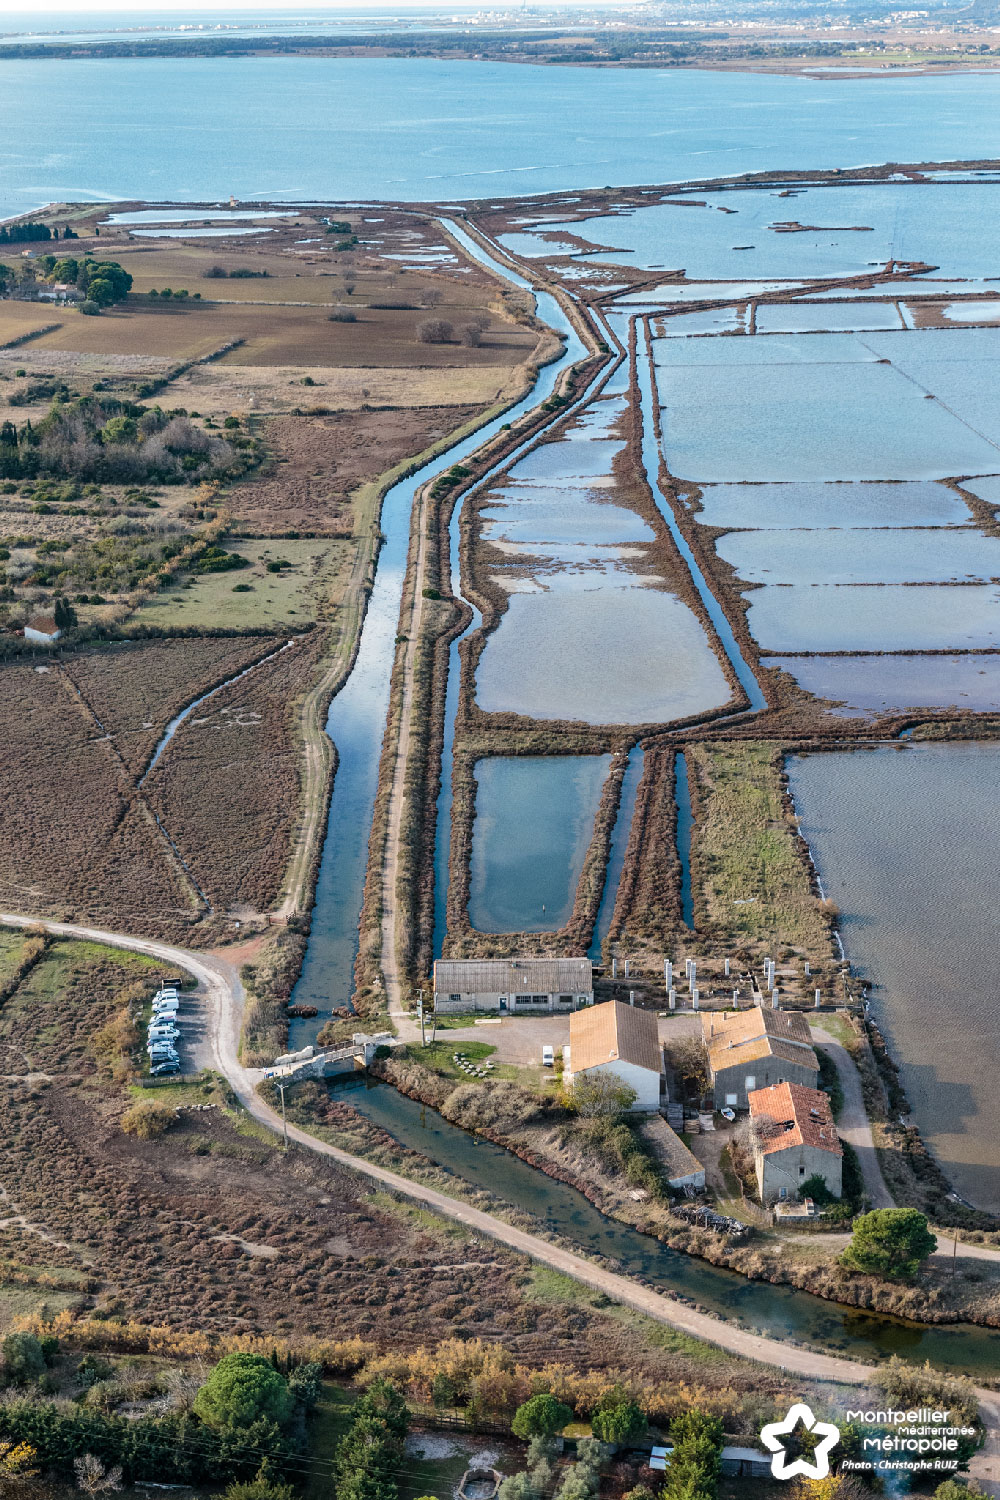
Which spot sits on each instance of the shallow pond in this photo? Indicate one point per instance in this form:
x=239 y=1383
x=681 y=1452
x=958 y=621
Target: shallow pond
x=867 y=685
x=739 y=409
x=844 y=505
x=813 y=317
x=987 y=488
x=533 y=513
x=533 y=825
x=616 y=855
x=894 y=556
x=906 y=842
x=568 y=460
x=683 y=325
x=601 y=653
x=896 y=617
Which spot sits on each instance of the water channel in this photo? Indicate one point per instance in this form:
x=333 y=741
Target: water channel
x=781 y=1312
x=357 y=716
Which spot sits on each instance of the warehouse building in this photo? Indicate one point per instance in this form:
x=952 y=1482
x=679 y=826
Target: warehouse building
x=522 y=986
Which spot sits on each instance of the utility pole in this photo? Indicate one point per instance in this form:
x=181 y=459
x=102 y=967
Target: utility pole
x=284 y=1121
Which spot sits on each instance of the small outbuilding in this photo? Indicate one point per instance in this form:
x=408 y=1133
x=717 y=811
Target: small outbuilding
x=619 y=1039
x=43 y=629
x=525 y=986
x=745 y=1463
x=681 y=1167
x=755 y=1048
x=796 y=1139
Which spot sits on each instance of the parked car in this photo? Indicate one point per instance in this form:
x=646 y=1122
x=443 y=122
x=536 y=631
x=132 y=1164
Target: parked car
x=162 y=1052
x=162 y=1034
x=548 y=1057
x=161 y=1069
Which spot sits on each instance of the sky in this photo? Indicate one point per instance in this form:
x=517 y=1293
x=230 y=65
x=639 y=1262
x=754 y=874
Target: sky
x=184 y=8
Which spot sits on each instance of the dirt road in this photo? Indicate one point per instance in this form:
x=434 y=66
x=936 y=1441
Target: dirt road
x=853 y=1125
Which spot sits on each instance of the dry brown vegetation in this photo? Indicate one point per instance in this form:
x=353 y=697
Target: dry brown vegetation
x=315 y=462
x=76 y=831
x=211 y=1232
x=227 y=785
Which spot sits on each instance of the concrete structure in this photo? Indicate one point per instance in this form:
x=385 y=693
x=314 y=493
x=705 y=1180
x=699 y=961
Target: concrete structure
x=752 y=1049
x=796 y=1140
x=681 y=1167
x=621 y=1040
x=524 y=985
x=42 y=628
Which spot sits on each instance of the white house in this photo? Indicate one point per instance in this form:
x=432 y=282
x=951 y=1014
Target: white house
x=527 y=986
x=42 y=628
x=619 y=1039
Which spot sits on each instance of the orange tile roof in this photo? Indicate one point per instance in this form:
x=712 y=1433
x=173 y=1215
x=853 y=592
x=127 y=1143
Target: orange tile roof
x=794 y=1116
x=733 y=1038
x=613 y=1032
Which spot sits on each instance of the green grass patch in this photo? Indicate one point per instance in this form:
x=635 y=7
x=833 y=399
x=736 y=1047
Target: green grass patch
x=439 y=1057
x=22 y=1301
x=554 y=1289
x=290 y=596
x=327 y=1425
x=752 y=876
x=12 y=941
x=834 y=1026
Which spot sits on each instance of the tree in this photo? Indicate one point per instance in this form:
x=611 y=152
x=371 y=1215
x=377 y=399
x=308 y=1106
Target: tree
x=23 y=1359
x=602 y=1094
x=540 y=1416
x=621 y=1422
x=815 y=1188
x=93 y=1478
x=242 y=1389
x=694 y=1464
x=261 y=1487
x=64 y=614
x=891 y=1242
x=18 y=1470
x=689 y=1060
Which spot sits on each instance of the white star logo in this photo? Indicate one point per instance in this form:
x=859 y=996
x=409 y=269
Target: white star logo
x=819 y=1467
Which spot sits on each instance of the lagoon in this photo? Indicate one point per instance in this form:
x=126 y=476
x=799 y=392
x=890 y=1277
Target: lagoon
x=197 y=131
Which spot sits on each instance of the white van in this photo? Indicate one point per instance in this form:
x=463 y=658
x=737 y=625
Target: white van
x=548 y=1057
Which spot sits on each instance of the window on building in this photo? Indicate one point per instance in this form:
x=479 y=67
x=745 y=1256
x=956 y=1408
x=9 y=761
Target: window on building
x=455 y=999
x=750 y=1081
x=531 y=1000
x=802 y=1171
x=732 y=1098
x=565 y=999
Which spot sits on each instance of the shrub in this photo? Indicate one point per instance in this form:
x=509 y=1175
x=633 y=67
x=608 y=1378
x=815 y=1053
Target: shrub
x=434 y=331
x=344 y=314
x=23 y=1358
x=89 y=309
x=148 y=1118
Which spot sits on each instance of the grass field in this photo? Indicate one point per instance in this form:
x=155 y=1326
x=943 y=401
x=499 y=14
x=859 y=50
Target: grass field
x=232 y=386
x=754 y=880
x=315 y=579
x=282 y=334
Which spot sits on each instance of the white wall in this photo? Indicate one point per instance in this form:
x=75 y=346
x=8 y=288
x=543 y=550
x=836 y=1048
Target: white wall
x=645 y=1082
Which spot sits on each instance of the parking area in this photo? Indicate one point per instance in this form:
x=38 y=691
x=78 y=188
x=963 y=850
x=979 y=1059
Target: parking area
x=519 y=1039
x=178 y=1034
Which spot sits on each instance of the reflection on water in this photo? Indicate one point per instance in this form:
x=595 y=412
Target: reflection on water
x=897 y=556
x=534 y=822
x=906 y=841
x=846 y=505
x=896 y=617
x=866 y=685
